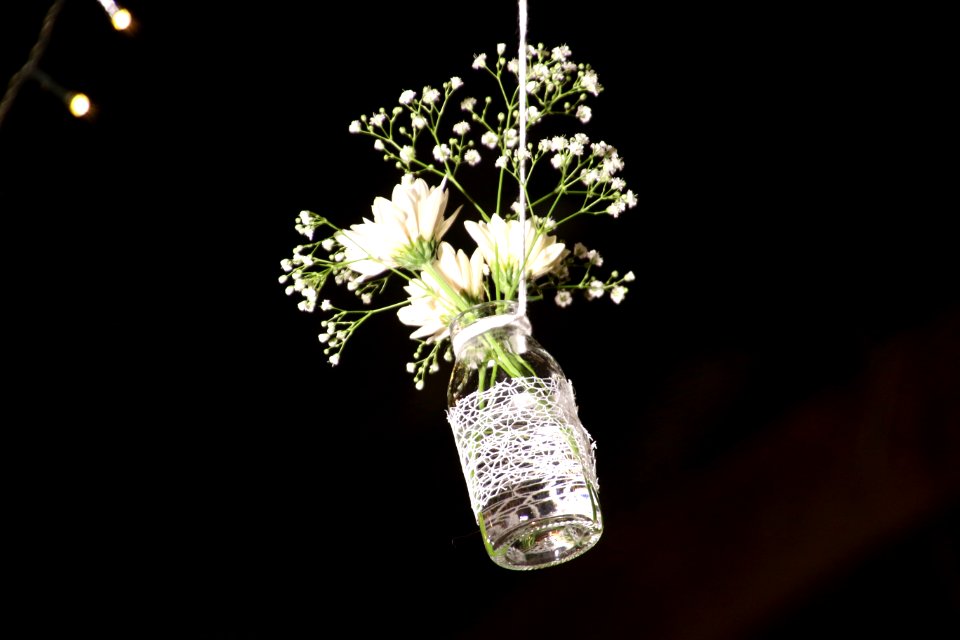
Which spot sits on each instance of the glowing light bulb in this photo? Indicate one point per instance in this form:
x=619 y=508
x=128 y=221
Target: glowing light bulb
x=79 y=104
x=121 y=19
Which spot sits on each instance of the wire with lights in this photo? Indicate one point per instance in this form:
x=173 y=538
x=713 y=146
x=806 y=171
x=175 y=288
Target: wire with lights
x=77 y=102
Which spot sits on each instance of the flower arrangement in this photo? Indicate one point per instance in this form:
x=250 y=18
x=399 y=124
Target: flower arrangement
x=436 y=139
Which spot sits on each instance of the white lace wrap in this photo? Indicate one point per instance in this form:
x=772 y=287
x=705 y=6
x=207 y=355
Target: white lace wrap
x=520 y=430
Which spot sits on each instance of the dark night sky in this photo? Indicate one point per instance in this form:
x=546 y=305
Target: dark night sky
x=774 y=403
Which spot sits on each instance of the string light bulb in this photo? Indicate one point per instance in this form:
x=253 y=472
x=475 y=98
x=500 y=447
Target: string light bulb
x=79 y=104
x=120 y=18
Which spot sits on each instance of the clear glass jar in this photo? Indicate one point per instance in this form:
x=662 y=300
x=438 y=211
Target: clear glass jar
x=527 y=461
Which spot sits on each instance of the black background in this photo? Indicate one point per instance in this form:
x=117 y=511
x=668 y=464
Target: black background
x=774 y=403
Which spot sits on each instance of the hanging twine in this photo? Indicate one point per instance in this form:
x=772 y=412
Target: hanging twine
x=522 y=158
x=463 y=336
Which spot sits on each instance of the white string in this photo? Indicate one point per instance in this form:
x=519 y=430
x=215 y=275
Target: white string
x=464 y=335
x=521 y=158
x=460 y=339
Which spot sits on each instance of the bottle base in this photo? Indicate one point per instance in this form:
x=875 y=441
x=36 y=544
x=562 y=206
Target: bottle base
x=544 y=543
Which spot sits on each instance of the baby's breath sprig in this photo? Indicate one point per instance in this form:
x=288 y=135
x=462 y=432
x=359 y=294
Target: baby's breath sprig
x=341 y=325
x=456 y=139
x=309 y=272
x=556 y=86
x=426 y=360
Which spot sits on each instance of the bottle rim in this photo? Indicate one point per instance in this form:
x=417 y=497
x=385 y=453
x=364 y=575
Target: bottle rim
x=483 y=317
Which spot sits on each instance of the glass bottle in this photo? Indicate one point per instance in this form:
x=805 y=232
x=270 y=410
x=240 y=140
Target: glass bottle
x=527 y=461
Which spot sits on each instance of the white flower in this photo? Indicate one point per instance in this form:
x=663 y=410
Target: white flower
x=462 y=128
x=612 y=163
x=501 y=47
x=502 y=243
x=377 y=119
x=354 y=127
x=595 y=290
x=441 y=152
x=629 y=277
x=407 y=154
x=325 y=305
x=480 y=61
x=472 y=157
x=418 y=121
x=425 y=311
x=407 y=96
x=456 y=82
x=467 y=104
x=404 y=231
x=439 y=294
x=588 y=81
x=501 y=162
x=601 y=149
x=563 y=299
x=378 y=145
x=489 y=139
x=559 y=54
x=584 y=113
x=430 y=95
x=616 y=208
x=465 y=274
x=334 y=359
x=617 y=294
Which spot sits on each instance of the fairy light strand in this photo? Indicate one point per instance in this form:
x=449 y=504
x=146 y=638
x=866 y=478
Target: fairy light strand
x=78 y=103
x=33 y=60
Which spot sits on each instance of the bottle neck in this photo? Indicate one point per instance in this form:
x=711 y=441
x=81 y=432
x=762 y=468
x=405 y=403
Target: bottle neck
x=464 y=334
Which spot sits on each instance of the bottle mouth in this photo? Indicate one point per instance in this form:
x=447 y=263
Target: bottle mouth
x=482 y=318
